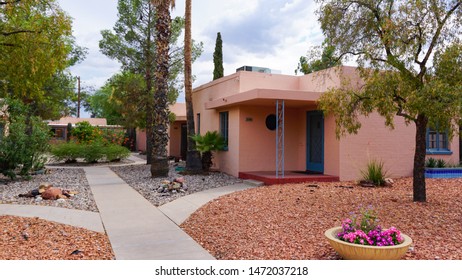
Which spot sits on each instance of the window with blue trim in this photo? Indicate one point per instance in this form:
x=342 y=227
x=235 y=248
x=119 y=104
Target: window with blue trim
x=437 y=142
x=224 y=125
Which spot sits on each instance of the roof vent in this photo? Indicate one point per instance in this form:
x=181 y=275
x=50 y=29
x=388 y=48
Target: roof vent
x=254 y=69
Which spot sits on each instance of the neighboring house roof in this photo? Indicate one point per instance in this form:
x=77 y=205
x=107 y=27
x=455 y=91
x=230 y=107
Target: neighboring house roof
x=179 y=109
x=72 y=120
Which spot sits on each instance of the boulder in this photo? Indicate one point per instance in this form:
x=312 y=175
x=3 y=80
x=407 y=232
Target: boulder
x=44 y=186
x=52 y=193
x=179 y=180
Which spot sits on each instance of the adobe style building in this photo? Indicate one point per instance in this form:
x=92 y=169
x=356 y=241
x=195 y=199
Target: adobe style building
x=59 y=127
x=273 y=126
x=177 y=133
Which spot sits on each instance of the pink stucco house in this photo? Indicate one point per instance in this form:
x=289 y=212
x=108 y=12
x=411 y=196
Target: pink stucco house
x=273 y=126
x=176 y=132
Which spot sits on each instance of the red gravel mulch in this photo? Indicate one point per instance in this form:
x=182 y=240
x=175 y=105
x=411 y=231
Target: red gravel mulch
x=288 y=221
x=37 y=239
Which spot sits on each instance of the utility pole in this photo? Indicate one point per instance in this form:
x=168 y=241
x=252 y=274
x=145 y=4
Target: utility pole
x=78 y=97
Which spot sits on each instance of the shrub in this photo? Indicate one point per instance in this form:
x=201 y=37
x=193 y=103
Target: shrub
x=375 y=172
x=93 y=151
x=84 y=132
x=67 y=152
x=22 y=149
x=116 y=152
x=116 y=137
x=440 y=163
x=430 y=163
x=211 y=141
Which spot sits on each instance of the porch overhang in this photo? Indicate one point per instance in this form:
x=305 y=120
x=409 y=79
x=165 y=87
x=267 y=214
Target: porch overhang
x=266 y=97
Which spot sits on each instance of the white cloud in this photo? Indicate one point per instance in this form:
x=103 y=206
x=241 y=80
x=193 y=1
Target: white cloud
x=270 y=33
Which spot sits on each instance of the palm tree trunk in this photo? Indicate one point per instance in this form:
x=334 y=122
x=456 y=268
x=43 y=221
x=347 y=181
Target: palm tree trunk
x=159 y=165
x=193 y=158
x=151 y=102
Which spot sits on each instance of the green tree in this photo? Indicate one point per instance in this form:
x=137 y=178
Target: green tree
x=218 y=71
x=312 y=63
x=35 y=43
x=133 y=43
x=414 y=64
x=121 y=100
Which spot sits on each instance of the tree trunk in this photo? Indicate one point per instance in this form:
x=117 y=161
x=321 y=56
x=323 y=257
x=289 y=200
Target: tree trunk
x=419 y=159
x=159 y=165
x=149 y=93
x=193 y=158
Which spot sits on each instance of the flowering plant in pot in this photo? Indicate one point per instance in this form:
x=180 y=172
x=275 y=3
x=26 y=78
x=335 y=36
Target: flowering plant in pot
x=360 y=237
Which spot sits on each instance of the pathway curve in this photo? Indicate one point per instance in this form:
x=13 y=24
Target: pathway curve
x=136 y=229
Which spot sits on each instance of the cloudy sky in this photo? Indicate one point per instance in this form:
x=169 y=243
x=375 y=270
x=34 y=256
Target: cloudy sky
x=266 y=33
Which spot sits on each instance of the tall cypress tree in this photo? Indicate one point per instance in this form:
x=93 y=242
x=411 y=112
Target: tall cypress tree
x=218 y=58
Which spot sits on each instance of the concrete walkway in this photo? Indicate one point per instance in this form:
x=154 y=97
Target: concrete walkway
x=180 y=209
x=136 y=229
x=77 y=218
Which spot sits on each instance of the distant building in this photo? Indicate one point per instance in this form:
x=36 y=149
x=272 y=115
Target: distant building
x=59 y=127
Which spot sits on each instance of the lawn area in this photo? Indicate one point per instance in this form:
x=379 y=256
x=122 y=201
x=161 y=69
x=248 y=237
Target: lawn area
x=288 y=221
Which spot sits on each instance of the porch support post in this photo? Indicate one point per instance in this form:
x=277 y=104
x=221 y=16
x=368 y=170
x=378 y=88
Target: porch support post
x=280 y=110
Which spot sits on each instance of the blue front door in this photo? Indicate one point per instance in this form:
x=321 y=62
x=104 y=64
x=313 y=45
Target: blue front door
x=315 y=141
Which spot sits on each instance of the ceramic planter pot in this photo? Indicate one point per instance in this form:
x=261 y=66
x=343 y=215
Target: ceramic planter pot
x=350 y=251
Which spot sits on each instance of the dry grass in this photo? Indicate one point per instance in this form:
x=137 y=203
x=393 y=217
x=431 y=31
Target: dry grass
x=288 y=221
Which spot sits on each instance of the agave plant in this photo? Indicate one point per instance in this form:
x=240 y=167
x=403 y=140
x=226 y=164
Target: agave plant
x=206 y=144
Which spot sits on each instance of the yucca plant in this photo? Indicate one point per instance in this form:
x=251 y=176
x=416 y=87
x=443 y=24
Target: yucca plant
x=375 y=172
x=430 y=163
x=440 y=163
x=206 y=144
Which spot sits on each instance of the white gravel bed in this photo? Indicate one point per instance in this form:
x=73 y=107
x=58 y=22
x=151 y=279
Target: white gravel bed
x=139 y=178
x=72 y=179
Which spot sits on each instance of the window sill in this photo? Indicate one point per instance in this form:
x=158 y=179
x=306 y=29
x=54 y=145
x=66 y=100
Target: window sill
x=438 y=152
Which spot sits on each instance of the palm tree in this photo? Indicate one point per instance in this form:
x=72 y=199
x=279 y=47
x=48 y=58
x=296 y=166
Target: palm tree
x=159 y=164
x=193 y=157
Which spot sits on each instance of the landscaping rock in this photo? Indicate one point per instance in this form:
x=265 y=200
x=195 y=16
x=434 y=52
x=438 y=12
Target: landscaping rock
x=389 y=182
x=179 y=180
x=367 y=184
x=44 y=186
x=52 y=193
x=139 y=178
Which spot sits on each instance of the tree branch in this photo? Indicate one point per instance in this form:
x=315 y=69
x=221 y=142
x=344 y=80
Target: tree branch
x=17 y=32
x=436 y=37
x=8 y=45
x=9 y=2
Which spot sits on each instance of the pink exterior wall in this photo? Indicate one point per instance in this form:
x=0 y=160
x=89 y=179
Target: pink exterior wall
x=174 y=143
x=141 y=140
x=376 y=141
x=252 y=145
x=258 y=153
x=174 y=132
